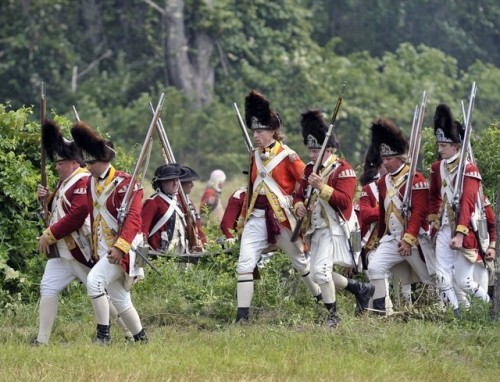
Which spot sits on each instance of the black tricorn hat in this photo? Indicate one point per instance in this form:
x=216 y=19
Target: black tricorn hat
x=314 y=129
x=189 y=175
x=168 y=171
x=92 y=146
x=56 y=146
x=258 y=113
x=387 y=138
x=371 y=166
x=446 y=129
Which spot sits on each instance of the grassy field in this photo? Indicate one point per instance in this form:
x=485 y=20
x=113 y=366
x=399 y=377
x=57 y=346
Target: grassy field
x=188 y=315
x=367 y=349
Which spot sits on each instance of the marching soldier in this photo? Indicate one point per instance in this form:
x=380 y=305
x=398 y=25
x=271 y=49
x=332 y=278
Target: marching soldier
x=456 y=244
x=211 y=207
x=275 y=170
x=397 y=242
x=66 y=241
x=332 y=216
x=116 y=269
x=368 y=212
x=163 y=223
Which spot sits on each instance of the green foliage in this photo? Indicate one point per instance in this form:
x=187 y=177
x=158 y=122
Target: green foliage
x=19 y=221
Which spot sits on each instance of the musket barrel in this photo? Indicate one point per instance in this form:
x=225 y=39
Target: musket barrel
x=147 y=141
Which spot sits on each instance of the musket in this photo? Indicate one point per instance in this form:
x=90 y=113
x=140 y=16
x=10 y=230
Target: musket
x=318 y=163
x=459 y=178
x=479 y=224
x=43 y=156
x=248 y=142
x=414 y=149
x=124 y=208
x=77 y=117
x=191 y=215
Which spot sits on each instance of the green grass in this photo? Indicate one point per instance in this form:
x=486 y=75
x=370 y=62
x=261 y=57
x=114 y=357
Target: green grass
x=188 y=315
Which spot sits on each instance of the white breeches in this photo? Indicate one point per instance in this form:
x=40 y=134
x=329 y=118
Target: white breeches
x=387 y=256
x=106 y=277
x=254 y=242
x=59 y=272
x=324 y=250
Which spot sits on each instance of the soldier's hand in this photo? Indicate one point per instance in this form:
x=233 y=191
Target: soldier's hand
x=229 y=242
x=490 y=254
x=301 y=211
x=315 y=181
x=404 y=248
x=115 y=256
x=457 y=241
x=43 y=245
x=42 y=191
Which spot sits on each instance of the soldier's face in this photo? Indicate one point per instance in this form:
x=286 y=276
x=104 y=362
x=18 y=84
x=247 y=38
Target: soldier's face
x=65 y=168
x=96 y=168
x=391 y=163
x=187 y=187
x=263 y=137
x=447 y=150
x=170 y=186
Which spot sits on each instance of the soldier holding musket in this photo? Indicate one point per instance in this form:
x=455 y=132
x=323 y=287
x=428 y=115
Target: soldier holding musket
x=113 y=244
x=456 y=244
x=275 y=170
x=67 y=239
x=163 y=223
x=398 y=241
x=332 y=214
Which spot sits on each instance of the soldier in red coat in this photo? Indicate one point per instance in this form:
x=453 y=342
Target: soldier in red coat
x=331 y=218
x=163 y=222
x=211 y=207
x=114 y=246
x=275 y=170
x=368 y=212
x=398 y=242
x=66 y=241
x=456 y=244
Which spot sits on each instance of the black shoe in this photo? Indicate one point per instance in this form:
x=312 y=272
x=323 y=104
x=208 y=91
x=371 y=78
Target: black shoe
x=36 y=343
x=242 y=315
x=103 y=336
x=332 y=320
x=141 y=337
x=379 y=306
x=363 y=292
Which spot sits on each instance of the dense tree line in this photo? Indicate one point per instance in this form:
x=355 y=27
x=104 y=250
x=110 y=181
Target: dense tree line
x=111 y=58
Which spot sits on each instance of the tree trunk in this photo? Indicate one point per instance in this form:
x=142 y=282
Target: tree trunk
x=496 y=293
x=189 y=68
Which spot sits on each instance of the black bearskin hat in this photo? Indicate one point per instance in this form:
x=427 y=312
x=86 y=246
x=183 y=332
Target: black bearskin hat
x=56 y=146
x=446 y=129
x=314 y=129
x=92 y=146
x=258 y=114
x=387 y=138
x=188 y=175
x=371 y=166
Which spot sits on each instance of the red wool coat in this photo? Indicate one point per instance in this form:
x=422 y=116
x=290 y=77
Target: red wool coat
x=418 y=216
x=76 y=213
x=472 y=182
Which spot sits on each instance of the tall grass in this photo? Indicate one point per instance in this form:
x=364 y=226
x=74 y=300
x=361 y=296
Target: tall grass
x=188 y=313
